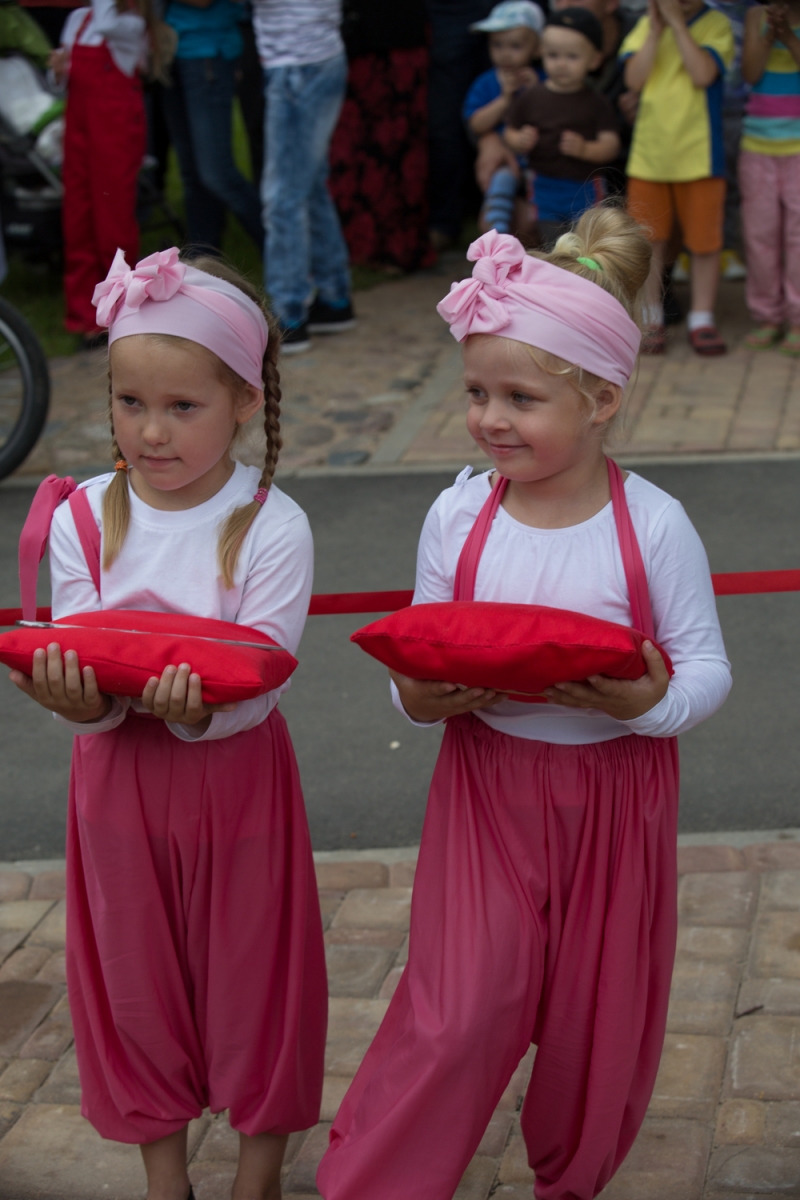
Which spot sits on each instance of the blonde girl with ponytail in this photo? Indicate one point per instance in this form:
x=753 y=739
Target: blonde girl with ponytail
x=196 y=967
x=544 y=903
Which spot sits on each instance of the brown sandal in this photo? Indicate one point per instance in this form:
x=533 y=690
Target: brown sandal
x=707 y=341
x=654 y=340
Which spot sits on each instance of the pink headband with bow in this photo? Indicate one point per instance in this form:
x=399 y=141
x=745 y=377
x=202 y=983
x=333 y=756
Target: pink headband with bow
x=164 y=295
x=520 y=297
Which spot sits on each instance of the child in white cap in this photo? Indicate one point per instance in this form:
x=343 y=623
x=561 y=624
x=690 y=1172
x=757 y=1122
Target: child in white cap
x=513 y=28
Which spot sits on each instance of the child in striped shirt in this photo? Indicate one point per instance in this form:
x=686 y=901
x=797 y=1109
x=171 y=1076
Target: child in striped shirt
x=769 y=175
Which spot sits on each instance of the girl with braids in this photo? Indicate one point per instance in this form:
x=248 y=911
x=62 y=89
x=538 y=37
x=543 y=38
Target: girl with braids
x=195 y=967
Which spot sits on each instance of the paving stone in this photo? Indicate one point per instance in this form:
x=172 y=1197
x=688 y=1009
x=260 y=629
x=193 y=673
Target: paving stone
x=51 y=1039
x=773 y=856
x=712 y=942
x=356 y=970
x=49 y=885
x=24 y=963
x=334 y=1090
x=389 y=985
x=402 y=873
x=343 y=876
x=212 y=1180
x=493 y=1142
x=512 y=1191
x=52 y=930
x=329 y=903
x=54 y=970
x=514 y=1163
x=20 y=915
x=14 y=885
x=69 y=1158
x=352 y=1024
x=375 y=908
x=402 y=954
x=689 y=1077
x=391 y=939
x=764 y=1059
x=741 y=1122
x=776 y=945
x=514 y=1094
x=780 y=890
x=709 y=858
x=755 y=1168
x=783 y=1124
x=717 y=898
x=9 y=1114
x=667 y=1162
x=9 y=940
x=220 y=1144
x=22 y=1077
x=780 y=997
x=302 y=1176
x=23 y=1004
x=702 y=996
x=64 y=1085
x=477 y=1180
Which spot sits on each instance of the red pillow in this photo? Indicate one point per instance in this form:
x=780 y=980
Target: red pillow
x=516 y=648
x=126 y=649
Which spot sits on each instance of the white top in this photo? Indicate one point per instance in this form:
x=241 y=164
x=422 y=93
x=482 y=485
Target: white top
x=125 y=34
x=295 y=33
x=580 y=568
x=168 y=563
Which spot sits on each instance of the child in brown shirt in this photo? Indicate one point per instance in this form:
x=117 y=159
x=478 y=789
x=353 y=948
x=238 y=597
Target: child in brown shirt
x=567 y=130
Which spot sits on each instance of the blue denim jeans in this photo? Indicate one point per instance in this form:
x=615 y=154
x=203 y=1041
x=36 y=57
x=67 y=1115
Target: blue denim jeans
x=305 y=253
x=198 y=108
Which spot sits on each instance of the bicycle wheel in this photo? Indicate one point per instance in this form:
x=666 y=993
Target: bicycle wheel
x=24 y=389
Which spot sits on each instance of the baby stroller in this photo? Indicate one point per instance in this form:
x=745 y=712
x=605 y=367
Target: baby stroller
x=31 y=152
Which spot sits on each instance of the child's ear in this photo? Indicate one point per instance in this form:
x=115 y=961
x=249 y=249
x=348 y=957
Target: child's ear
x=249 y=404
x=607 y=403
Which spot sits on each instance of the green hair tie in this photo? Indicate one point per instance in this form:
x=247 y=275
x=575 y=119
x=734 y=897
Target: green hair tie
x=589 y=262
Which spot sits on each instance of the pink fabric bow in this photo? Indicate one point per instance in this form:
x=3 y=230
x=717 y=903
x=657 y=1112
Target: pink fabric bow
x=156 y=277
x=529 y=300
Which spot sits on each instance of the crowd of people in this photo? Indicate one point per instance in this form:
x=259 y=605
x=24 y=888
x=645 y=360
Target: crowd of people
x=364 y=122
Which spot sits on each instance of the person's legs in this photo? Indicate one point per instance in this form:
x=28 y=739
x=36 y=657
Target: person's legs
x=81 y=265
x=297 y=134
x=456 y=57
x=259 y=1170
x=118 y=136
x=499 y=201
x=700 y=205
x=789 y=174
x=762 y=228
x=205 y=213
x=652 y=205
x=165 y=1166
x=209 y=85
x=330 y=261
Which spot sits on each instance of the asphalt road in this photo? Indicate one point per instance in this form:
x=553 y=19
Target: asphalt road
x=741 y=769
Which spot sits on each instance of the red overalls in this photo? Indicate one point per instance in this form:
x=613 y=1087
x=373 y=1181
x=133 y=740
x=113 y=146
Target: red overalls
x=105 y=139
x=545 y=911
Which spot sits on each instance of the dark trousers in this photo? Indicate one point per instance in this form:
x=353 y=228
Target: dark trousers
x=198 y=111
x=457 y=56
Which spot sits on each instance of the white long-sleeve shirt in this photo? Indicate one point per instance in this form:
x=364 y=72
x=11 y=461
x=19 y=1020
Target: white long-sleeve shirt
x=124 y=33
x=580 y=568
x=168 y=563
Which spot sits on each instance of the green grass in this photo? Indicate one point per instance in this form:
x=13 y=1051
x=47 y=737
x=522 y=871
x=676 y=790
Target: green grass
x=36 y=288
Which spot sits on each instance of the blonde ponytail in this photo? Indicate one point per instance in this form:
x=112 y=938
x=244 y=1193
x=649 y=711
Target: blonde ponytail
x=607 y=236
x=116 y=503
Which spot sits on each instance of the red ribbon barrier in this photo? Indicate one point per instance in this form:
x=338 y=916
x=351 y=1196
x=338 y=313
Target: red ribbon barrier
x=733 y=583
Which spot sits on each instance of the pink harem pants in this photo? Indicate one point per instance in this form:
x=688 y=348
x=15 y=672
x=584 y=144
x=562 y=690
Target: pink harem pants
x=544 y=910
x=195 y=961
x=770 y=189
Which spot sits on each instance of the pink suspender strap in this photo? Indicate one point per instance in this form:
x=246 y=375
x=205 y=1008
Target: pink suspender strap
x=36 y=530
x=635 y=577
x=470 y=557
x=88 y=532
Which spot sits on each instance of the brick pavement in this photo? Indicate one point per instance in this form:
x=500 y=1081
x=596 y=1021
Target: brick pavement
x=724 y=1122
x=389 y=395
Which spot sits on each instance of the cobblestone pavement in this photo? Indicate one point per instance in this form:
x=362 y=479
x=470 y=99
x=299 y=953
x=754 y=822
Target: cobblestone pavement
x=389 y=394
x=724 y=1122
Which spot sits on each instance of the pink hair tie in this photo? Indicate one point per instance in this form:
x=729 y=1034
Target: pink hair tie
x=261 y=496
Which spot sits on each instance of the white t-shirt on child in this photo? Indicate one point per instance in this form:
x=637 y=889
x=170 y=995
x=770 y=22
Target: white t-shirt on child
x=580 y=568
x=168 y=563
